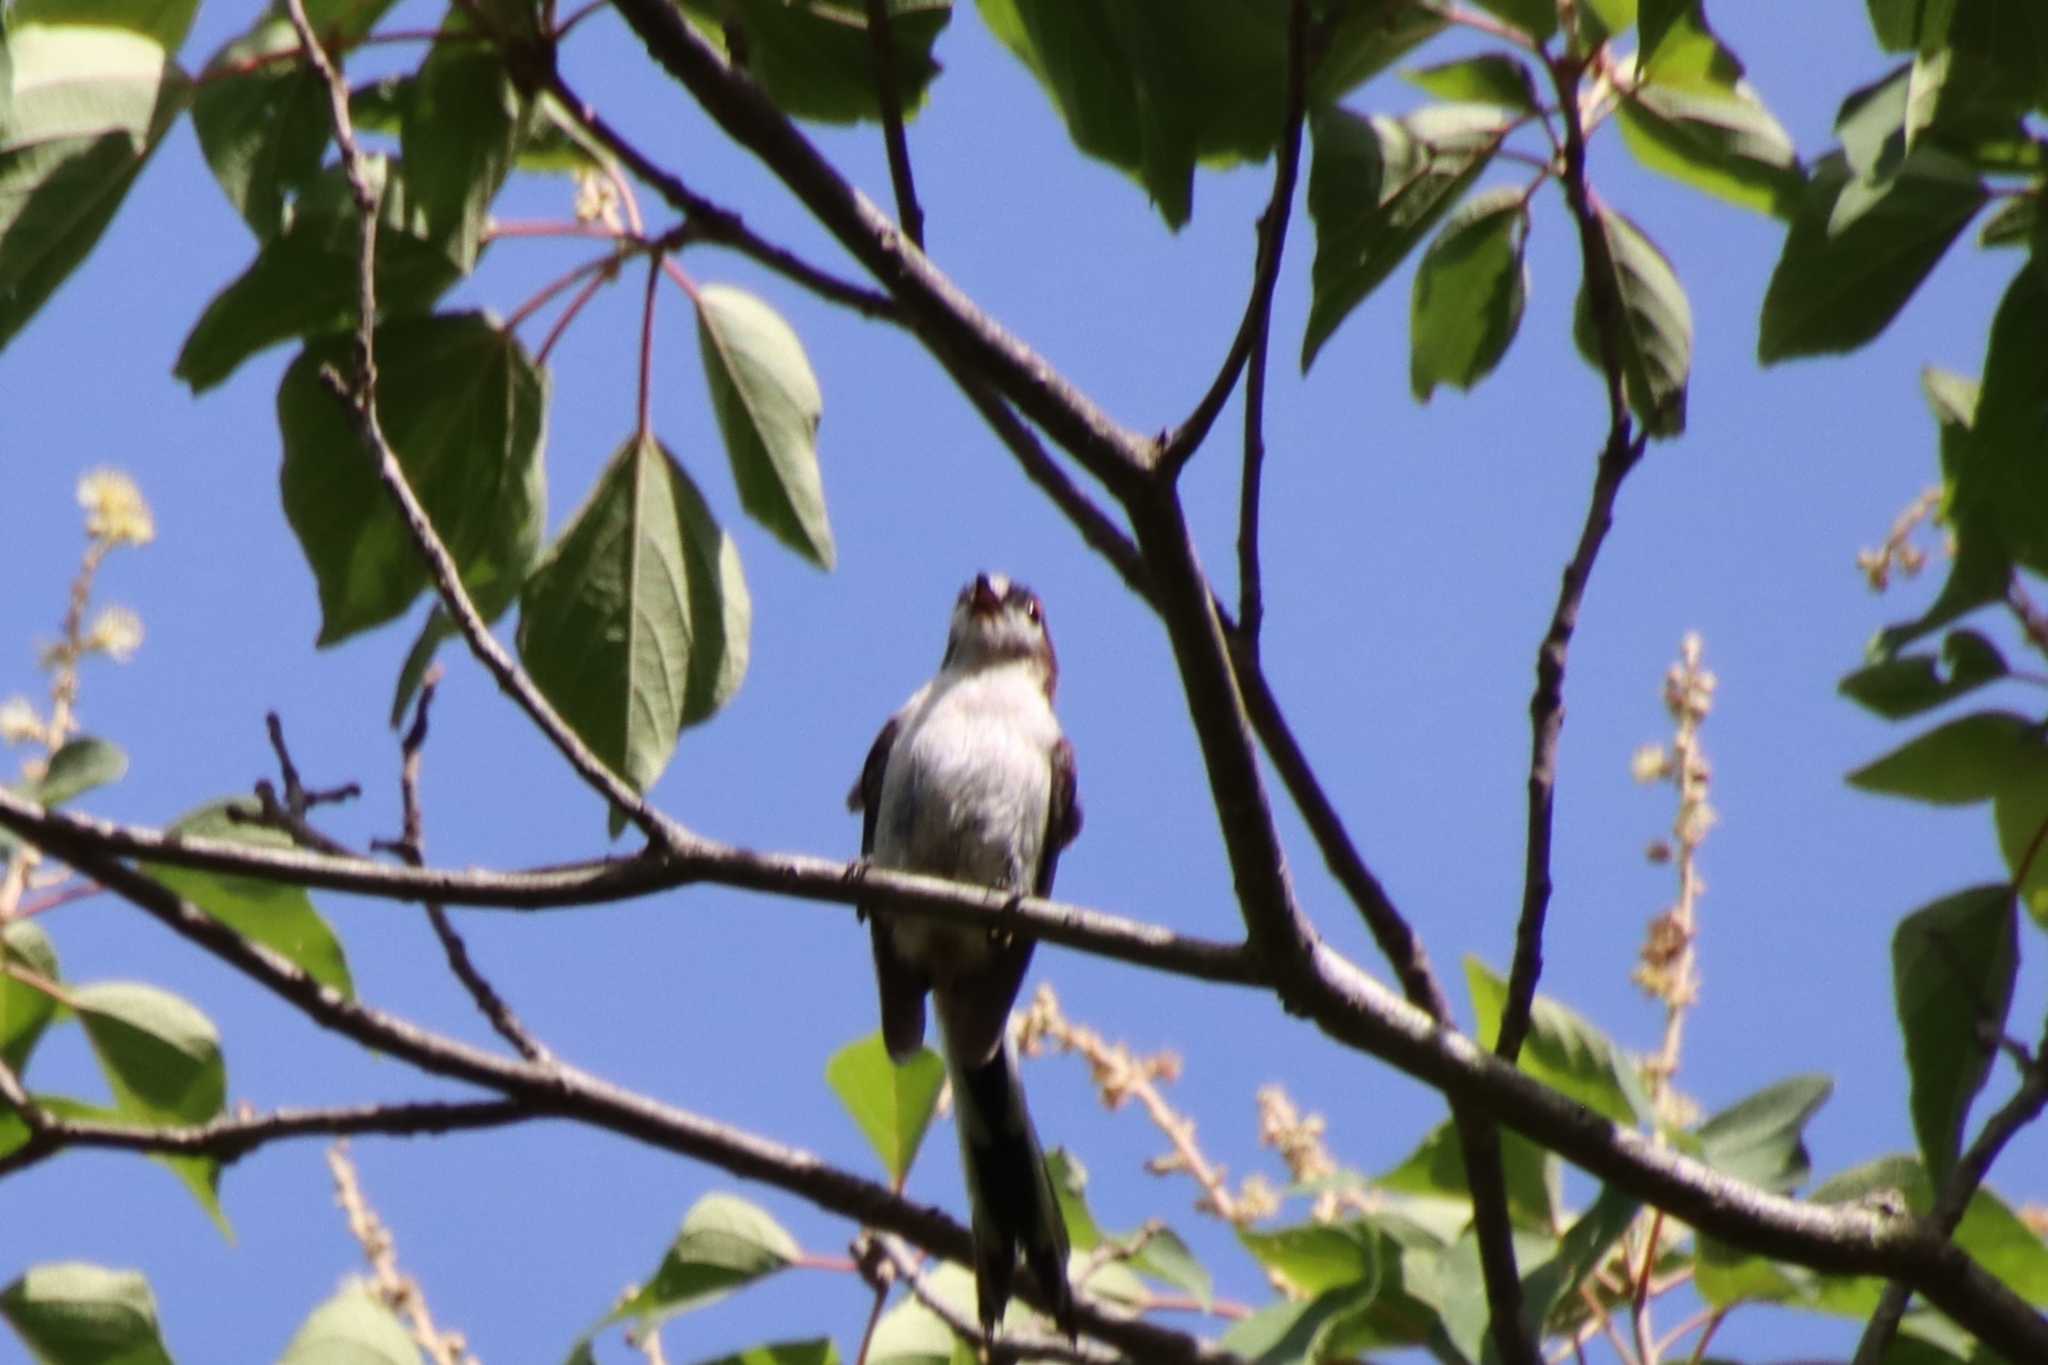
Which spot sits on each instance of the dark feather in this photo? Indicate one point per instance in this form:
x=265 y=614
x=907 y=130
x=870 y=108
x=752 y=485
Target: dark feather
x=902 y=986
x=1015 y=1209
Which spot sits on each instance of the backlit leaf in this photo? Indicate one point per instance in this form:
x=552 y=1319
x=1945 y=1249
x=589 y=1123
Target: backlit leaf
x=70 y=1311
x=1953 y=967
x=1654 y=331
x=891 y=1104
x=160 y=1055
x=1469 y=292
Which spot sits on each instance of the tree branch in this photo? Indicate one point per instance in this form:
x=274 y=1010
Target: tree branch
x=883 y=46
x=1175 y=451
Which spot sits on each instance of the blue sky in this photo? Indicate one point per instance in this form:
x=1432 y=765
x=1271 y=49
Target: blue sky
x=1412 y=556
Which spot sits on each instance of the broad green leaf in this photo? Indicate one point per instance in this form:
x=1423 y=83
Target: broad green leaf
x=912 y=1334
x=814 y=58
x=768 y=408
x=1724 y=143
x=1761 y=1140
x=725 y=1243
x=1436 y=1168
x=1298 y=1331
x=1171 y=1261
x=1657 y=19
x=892 y=1105
x=1537 y=18
x=1837 y=287
x=2000 y=473
x=163 y=22
x=1070 y=1187
x=200 y=1175
x=73 y=1312
x=1965 y=761
x=160 y=1055
x=306 y=280
x=1365 y=37
x=1376 y=187
x=1953 y=966
x=1461 y=1282
x=348 y=20
x=1318 y=1256
x=1405 y=1305
x=1491 y=78
x=1913 y=683
x=1655 y=326
x=81 y=109
x=1906 y=25
x=1469 y=291
x=550 y=140
x=2007 y=44
x=459 y=133
x=466 y=410
x=635 y=621
x=1563 y=1050
x=818 y=1351
x=278 y=915
x=1600 y=20
x=80 y=766
x=1727 y=1275
x=25 y=1011
x=2020 y=813
x=2016 y=222
x=264 y=127
x=352 y=1327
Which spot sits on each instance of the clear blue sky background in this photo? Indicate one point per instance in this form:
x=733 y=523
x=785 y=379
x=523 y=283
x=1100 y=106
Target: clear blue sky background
x=1412 y=561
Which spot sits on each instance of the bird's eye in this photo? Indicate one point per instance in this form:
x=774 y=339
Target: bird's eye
x=1031 y=610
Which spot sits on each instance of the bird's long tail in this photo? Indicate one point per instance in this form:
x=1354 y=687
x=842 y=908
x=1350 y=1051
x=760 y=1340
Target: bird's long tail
x=1009 y=1190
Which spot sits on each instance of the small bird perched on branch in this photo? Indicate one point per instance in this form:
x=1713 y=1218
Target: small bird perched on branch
x=973 y=780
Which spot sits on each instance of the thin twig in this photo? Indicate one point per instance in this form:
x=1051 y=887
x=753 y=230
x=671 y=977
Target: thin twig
x=1177 y=449
x=883 y=47
x=1251 y=592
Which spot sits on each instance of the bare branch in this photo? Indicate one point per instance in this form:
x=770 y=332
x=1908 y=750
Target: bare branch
x=883 y=46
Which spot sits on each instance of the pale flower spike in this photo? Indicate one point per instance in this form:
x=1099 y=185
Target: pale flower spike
x=114 y=509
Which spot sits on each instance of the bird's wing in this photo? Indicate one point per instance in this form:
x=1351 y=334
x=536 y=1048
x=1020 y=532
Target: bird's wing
x=901 y=985
x=1062 y=817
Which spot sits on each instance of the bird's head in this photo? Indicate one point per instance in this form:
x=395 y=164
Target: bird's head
x=996 y=621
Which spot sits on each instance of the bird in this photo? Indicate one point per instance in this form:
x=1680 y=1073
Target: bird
x=973 y=779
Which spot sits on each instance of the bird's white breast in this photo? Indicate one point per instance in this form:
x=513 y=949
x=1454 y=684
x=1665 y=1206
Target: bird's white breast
x=967 y=791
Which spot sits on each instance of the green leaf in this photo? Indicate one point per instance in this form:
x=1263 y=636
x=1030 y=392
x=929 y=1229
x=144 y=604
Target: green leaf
x=1726 y=144
x=1965 y=761
x=1655 y=327
x=1554 y=1280
x=1563 y=1050
x=459 y=133
x=306 y=279
x=278 y=915
x=912 y=1334
x=2016 y=222
x=160 y=1055
x=466 y=410
x=892 y=1105
x=768 y=408
x=818 y=1351
x=73 y=1312
x=1905 y=25
x=1913 y=683
x=1990 y=1231
x=635 y=622
x=1171 y=1261
x=1726 y=1275
x=353 y=1327
x=1492 y=78
x=1537 y=18
x=1376 y=187
x=814 y=59
x=1436 y=1168
x=82 y=765
x=264 y=127
x=81 y=110
x=1469 y=291
x=1365 y=37
x=435 y=631
x=25 y=1011
x=1318 y=1256
x=1600 y=20
x=725 y=1243
x=163 y=22
x=1953 y=967
x=2020 y=813
x=1070 y=1187
x=1836 y=286
x=1761 y=1140
x=2000 y=476
x=1298 y=1332
x=1656 y=20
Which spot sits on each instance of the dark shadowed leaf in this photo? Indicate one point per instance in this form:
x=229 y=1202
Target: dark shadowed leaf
x=73 y=1312
x=768 y=408
x=635 y=621
x=892 y=1105
x=1913 y=683
x=264 y=127
x=466 y=410
x=459 y=132
x=1837 y=285
x=84 y=109
x=2000 y=475
x=277 y=915
x=1655 y=326
x=25 y=1011
x=305 y=280
x=820 y=1351
x=1761 y=1139
x=2016 y=222
x=354 y=1326
x=1965 y=761
x=1953 y=966
x=1470 y=288
x=1376 y=187
x=1537 y=18
x=814 y=58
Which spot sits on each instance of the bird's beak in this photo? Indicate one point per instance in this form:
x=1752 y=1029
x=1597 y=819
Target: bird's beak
x=985 y=599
